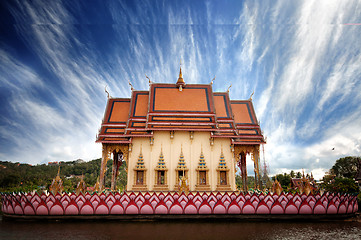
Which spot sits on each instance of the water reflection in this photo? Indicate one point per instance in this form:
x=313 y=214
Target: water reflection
x=179 y=230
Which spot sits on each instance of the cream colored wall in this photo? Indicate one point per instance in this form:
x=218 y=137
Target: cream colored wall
x=171 y=151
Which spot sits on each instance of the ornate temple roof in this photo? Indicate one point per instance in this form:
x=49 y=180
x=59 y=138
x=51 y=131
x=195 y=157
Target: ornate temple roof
x=179 y=107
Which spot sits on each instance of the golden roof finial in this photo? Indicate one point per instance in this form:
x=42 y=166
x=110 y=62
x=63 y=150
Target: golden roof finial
x=180 y=79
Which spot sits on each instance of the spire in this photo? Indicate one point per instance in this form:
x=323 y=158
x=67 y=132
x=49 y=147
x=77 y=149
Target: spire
x=180 y=83
x=202 y=161
x=180 y=79
x=181 y=163
x=222 y=161
x=161 y=163
x=140 y=162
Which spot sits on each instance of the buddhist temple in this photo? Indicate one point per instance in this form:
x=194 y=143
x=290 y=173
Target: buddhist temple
x=178 y=133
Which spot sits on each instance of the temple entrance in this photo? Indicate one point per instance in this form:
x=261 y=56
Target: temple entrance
x=117 y=162
x=240 y=153
x=119 y=154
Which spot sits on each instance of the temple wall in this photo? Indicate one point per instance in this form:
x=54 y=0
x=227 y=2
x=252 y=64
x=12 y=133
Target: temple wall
x=171 y=151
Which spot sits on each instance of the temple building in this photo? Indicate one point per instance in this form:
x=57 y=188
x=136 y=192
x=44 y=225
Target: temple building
x=179 y=131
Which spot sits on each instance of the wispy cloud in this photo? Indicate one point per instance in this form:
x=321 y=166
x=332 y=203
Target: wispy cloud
x=300 y=59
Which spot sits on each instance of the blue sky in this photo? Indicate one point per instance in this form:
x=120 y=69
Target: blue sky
x=301 y=58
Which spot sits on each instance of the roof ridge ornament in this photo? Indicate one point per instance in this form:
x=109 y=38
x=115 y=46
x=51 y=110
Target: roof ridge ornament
x=107 y=92
x=229 y=88
x=250 y=98
x=150 y=82
x=213 y=79
x=131 y=86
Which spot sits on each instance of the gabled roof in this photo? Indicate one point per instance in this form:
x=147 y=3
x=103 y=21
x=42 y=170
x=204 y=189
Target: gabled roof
x=171 y=109
x=179 y=107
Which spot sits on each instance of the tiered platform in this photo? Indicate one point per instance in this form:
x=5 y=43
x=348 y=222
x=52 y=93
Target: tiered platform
x=172 y=205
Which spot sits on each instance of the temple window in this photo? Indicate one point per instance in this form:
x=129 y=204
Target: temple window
x=202 y=178
x=222 y=175
x=160 y=181
x=202 y=175
x=140 y=177
x=180 y=174
x=140 y=183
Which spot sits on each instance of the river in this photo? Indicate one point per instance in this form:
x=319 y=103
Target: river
x=185 y=230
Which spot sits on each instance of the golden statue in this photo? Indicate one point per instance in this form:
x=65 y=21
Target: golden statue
x=96 y=186
x=183 y=185
x=81 y=187
x=277 y=187
x=57 y=185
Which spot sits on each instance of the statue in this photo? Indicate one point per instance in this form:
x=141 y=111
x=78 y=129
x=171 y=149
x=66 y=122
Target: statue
x=183 y=185
x=81 y=187
x=57 y=184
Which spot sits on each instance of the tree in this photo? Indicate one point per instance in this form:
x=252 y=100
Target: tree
x=283 y=179
x=239 y=181
x=342 y=185
x=346 y=167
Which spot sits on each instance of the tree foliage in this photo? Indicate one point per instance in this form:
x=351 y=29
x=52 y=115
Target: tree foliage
x=283 y=179
x=346 y=167
x=24 y=177
x=342 y=185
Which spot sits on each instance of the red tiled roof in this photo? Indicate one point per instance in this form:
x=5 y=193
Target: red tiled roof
x=165 y=107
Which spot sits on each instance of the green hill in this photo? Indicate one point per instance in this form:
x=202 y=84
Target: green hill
x=24 y=177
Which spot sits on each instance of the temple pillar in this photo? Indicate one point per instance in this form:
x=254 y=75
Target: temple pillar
x=257 y=176
x=243 y=165
x=103 y=167
x=114 y=171
x=117 y=162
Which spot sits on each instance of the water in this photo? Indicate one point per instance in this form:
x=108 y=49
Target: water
x=179 y=230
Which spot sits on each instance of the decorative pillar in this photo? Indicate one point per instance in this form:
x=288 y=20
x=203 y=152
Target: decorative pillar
x=243 y=167
x=255 y=158
x=117 y=162
x=103 y=167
